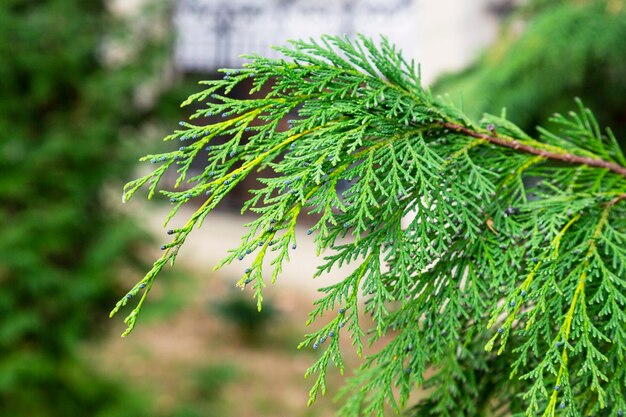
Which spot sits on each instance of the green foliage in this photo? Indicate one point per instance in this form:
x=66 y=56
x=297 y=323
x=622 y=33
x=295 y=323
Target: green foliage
x=491 y=262
x=566 y=48
x=204 y=396
x=61 y=113
x=241 y=312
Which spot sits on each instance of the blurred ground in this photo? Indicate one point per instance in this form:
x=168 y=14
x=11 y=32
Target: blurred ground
x=190 y=361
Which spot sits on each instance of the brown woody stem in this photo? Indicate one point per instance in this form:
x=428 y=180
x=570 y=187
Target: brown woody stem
x=514 y=144
x=616 y=200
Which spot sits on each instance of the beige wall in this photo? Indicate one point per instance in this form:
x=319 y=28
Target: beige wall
x=451 y=33
x=442 y=35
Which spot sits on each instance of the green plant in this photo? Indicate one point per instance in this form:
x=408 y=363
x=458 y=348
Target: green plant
x=62 y=110
x=491 y=257
x=204 y=396
x=567 y=47
x=242 y=313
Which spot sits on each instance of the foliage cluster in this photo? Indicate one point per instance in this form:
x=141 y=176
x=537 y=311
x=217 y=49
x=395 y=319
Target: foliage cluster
x=565 y=49
x=490 y=257
x=242 y=313
x=61 y=115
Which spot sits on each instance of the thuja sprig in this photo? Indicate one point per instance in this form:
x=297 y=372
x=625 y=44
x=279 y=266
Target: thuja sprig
x=463 y=235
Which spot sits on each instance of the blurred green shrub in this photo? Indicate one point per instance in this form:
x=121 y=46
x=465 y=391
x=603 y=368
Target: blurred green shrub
x=549 y=52
x=242 y=313
x=205 y=395
x=63 y=105
x=211 y=380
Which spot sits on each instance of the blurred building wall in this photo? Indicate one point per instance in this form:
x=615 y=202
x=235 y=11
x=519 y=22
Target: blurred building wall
x=442 y=35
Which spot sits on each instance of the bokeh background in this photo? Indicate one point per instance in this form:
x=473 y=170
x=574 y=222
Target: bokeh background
x=86 y=87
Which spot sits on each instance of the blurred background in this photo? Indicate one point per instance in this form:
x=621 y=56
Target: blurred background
x=86 y=87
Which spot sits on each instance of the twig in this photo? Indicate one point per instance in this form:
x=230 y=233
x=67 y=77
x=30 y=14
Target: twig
x=564 y=157
x=616 y=200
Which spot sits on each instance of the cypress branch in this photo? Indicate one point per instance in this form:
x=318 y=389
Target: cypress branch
x=466 y=235
x=564 y=157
